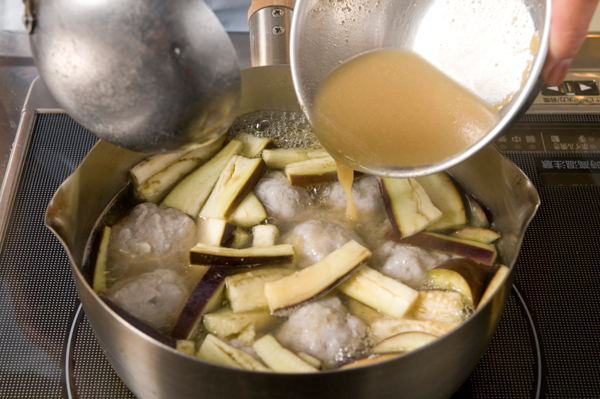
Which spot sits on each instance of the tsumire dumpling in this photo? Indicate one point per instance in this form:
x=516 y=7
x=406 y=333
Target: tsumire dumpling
x=315 y=239
x=325 y=330
x=406 y=263
x=151 y=237
x=156 y=297
x=366 y=195
x=281 y=200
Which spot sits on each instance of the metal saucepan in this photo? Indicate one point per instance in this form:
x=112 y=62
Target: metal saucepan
x=495 y=49
x=153 y=370
x=144 y=75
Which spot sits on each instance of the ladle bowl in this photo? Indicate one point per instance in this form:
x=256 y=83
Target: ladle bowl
x=495 y=49
x=145 y=75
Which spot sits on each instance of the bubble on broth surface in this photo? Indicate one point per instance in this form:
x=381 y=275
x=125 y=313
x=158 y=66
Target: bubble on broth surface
x=287 y=129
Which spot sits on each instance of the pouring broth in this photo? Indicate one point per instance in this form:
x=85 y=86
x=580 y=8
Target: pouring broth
x=392 y=108
x=250 y=261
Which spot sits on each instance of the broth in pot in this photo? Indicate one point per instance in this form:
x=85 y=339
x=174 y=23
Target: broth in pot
x=251 y=260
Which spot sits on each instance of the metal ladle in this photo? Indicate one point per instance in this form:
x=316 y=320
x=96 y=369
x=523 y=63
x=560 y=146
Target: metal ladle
x=495 y=49
x=147 y=75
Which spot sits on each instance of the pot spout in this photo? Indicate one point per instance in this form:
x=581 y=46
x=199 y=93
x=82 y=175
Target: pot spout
x=76 y=206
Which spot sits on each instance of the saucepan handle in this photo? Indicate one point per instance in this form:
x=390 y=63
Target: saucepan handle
x=270 y=22
x=29 y=16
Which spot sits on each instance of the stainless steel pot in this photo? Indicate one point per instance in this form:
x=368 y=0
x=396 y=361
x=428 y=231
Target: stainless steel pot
x=495 y=49
x=153 y=370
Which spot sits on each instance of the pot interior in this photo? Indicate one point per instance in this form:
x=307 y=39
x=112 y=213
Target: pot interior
x=84 y=198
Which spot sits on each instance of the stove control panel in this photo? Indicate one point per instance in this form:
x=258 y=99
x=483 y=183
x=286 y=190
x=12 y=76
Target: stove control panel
x=566 y=147
x=581 y=89
x=551 y=137
x=587 y=88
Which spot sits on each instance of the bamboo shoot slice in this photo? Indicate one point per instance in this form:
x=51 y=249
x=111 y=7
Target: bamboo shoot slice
x=315 y=171
x=380 y=292
x=192 y=192
x=409 y=208
x=281 y=157
x=370 y=360
x=203 y=254
x=214 y=231
x=225 y=322
x=246 y=291
x=216 y=351
x=445 y=197
x=249 y=212
x=158 y=186
x=264 y=235
x=235 y=182
x=253 y=145
x=318 y=279
x=152 y=165
x=186 y=346
x=280 y=359
x=404 y=342
x=494 y=284
x=99 y=284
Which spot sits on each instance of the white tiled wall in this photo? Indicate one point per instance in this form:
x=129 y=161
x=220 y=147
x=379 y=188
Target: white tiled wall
x=11 y=12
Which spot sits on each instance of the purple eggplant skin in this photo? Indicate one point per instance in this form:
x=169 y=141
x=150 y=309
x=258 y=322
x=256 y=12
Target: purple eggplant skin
x=476 y=274
x=478 y=254
x=137 y=323
x=228 y=234
x=387 y=201
x=213 y=279
x=312 y=180
x=235 y=261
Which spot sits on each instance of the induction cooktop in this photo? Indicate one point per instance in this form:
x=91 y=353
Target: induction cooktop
x=547 y=342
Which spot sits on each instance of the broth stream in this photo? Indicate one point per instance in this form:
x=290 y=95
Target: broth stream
x=346 y=177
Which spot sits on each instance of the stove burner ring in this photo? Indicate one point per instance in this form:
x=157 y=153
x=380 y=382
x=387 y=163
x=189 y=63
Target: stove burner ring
x=88 y=371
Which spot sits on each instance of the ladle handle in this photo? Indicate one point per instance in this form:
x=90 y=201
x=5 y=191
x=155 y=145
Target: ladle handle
x=270 y=22
x=29 y=16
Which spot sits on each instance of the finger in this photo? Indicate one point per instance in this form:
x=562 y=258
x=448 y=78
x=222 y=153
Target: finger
x=570 y=22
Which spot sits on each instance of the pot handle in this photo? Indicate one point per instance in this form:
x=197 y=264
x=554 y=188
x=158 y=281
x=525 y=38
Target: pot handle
x=29 y=16
x=270 y=22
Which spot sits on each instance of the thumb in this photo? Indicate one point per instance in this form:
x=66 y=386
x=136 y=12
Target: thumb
x=568 y=30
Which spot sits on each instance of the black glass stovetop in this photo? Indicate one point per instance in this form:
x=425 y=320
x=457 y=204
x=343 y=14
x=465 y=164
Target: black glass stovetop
x=547 y=344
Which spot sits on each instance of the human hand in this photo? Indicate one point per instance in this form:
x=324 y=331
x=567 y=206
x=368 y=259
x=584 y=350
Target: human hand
x=569 y=27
